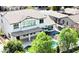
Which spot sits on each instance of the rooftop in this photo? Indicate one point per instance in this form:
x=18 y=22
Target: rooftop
x=75 y=18
x=54 y=13
x=17 y=16
x=49 y=21
x=71 y=11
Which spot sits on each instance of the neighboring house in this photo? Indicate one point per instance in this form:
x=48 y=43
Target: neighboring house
x=75 y=21
x=65 y=20
x=11 y=8
x=71 y=21
x=71 y=11
x=56 y=17
x=24 y=24
x=77 y=7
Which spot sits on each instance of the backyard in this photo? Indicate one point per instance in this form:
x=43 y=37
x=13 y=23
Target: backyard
x=67 y=41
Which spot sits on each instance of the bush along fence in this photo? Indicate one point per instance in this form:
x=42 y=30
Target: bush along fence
x=68 y=42
x=68 y=51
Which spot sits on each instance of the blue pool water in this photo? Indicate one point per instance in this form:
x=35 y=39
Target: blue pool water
x=54 y=33
x=54 y=44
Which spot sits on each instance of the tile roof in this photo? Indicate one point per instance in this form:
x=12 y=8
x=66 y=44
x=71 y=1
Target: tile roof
x=17 y=16
x=54 y=14
x=75 y=18
x=49 y=21
x=71 y=11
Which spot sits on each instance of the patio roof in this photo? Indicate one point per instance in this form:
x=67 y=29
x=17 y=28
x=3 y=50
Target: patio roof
x=19 y=33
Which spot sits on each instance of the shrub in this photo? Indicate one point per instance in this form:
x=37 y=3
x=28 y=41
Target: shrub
x=68 y=38
x=41 y=44
x=13 y=46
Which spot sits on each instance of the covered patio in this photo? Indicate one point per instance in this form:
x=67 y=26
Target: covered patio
x=27 y=34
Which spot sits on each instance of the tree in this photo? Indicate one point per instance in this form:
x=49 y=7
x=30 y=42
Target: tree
x=68 y=37
x=68 y=6
x=56 y=8
x=13 y=46
x=41 y=44
x=78 y=33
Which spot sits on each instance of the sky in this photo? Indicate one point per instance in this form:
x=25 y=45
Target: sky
x=39 y=2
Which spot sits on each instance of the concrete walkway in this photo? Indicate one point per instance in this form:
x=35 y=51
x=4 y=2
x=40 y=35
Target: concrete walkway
x=1 y=48
x=26 y=43
x=2 y=40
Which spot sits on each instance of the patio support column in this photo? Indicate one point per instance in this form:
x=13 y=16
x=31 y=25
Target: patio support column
x=29 y=38
x=57 y=20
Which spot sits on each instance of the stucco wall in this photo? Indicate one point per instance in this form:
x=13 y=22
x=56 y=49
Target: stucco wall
x=6 y=26
x=66 y=19
x=0 y=19
x=27 y=28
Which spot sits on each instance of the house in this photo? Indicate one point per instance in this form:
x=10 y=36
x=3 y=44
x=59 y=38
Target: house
x=71 y=21
x=71 y=11
x=63 y=20
x=74 y=21
x=77 y=7
x=56 y=17
x=24 y=24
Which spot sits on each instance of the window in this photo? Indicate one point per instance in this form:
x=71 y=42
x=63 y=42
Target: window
x=1 y=21
x=34 y=32
x=63 y=22
x=60 y=28
x=40 y=31
x=9 y=35
x=25 y=35
x=1 y=15
x=28 y=23
x=31 y=33
x=41 y=21
x=55 y=19
x=18 y=37
x=59 y=21
x=16 y=26
x=50 y=27
x=67 y=23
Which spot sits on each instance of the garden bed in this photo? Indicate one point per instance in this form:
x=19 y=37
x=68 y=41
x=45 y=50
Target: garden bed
x=73 y=50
